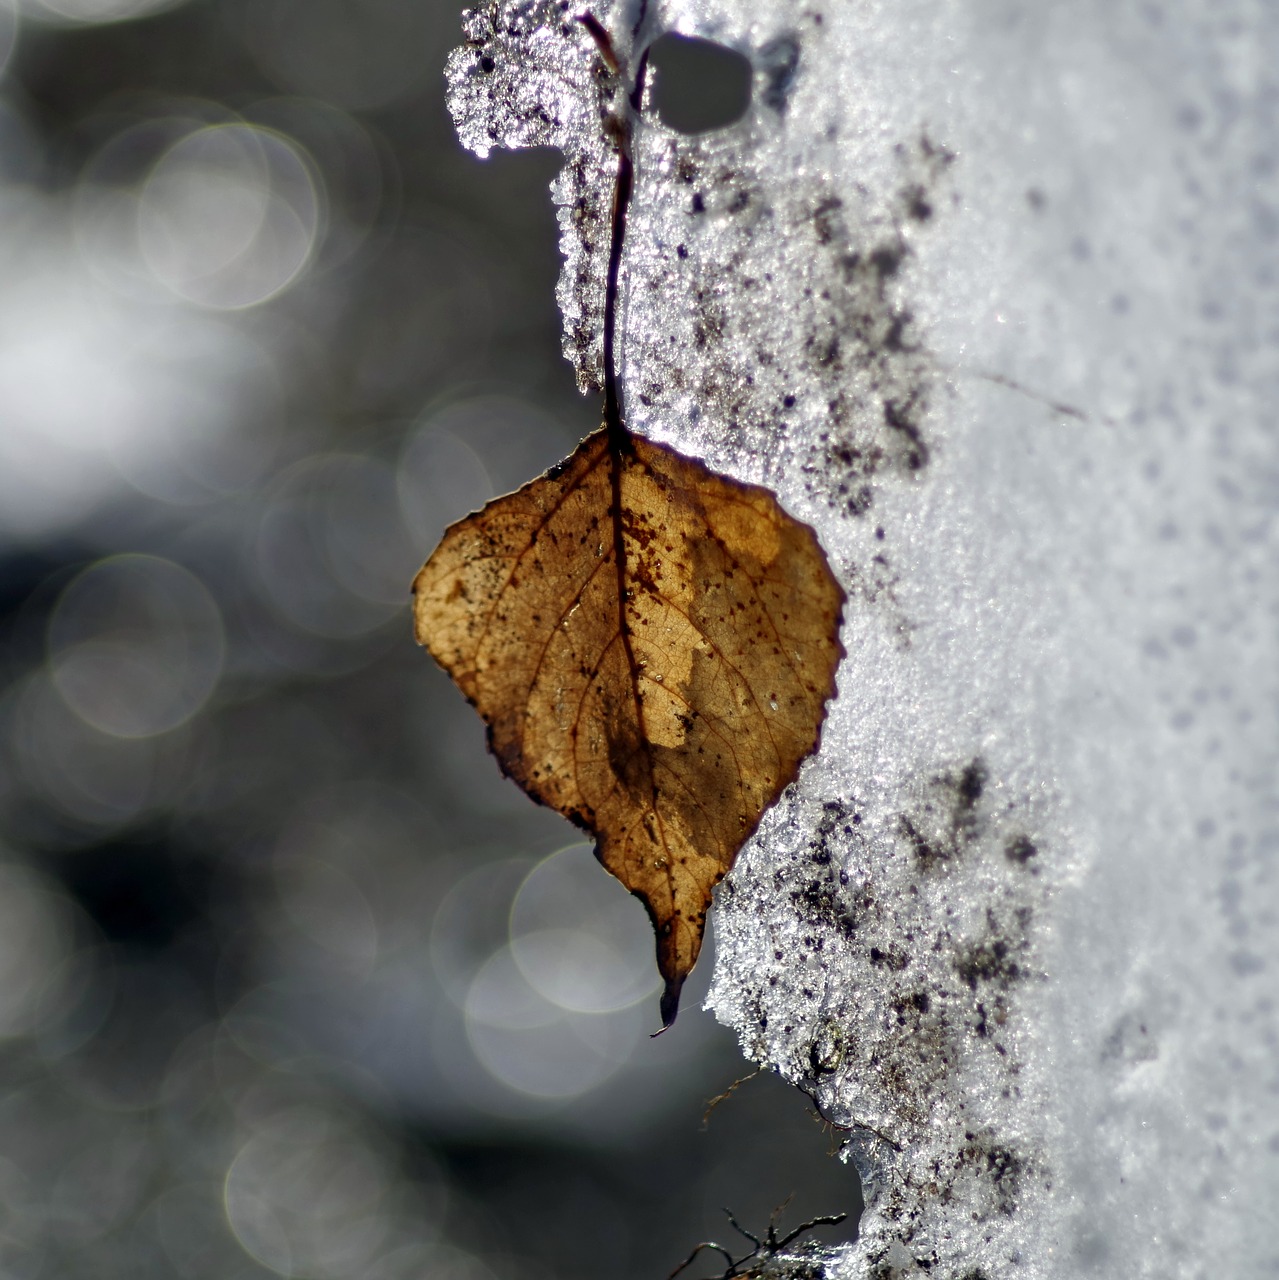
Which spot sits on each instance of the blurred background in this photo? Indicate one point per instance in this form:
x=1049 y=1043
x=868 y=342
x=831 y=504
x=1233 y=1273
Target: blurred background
x=291 y=981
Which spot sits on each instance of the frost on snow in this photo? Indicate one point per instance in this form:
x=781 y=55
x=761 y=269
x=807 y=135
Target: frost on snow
x=987 y=295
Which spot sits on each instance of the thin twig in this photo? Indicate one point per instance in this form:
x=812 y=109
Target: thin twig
x=728 y=1093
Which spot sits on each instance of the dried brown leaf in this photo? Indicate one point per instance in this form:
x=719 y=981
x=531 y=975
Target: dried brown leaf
x=652 y=647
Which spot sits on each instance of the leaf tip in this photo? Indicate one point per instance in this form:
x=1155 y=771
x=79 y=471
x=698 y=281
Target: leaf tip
x=670 y=1004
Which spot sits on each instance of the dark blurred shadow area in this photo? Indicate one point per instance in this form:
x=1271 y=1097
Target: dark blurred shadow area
x=292 y=983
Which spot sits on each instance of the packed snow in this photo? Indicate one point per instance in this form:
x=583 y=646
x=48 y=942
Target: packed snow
x=987 y=294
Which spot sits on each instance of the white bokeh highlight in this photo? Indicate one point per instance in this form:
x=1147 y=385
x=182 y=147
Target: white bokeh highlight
x=579 y=940
x=229 y=216
x=136 y=645
x=93 y=12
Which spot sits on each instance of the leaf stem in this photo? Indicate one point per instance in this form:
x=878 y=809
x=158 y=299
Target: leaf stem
x=621 y=129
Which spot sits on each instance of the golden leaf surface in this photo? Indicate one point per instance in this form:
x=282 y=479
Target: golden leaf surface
x=652 y=646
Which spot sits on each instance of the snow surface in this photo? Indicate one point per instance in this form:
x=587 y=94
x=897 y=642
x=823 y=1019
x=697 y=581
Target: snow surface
x=987 y=293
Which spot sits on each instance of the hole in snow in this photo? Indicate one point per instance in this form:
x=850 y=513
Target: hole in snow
x=698 y=85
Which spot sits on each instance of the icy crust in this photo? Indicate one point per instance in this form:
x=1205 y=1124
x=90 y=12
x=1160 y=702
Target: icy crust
x=878 y=949
x=760 y=299
x=529 y=76
x=764 y=315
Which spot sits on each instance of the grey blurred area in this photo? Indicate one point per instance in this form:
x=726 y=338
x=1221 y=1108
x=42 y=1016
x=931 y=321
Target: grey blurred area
x=292 y=983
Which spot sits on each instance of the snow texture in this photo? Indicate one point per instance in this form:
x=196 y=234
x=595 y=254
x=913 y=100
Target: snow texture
x=987 y=293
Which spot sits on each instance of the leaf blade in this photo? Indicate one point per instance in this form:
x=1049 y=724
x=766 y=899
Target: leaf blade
x=652 y=647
